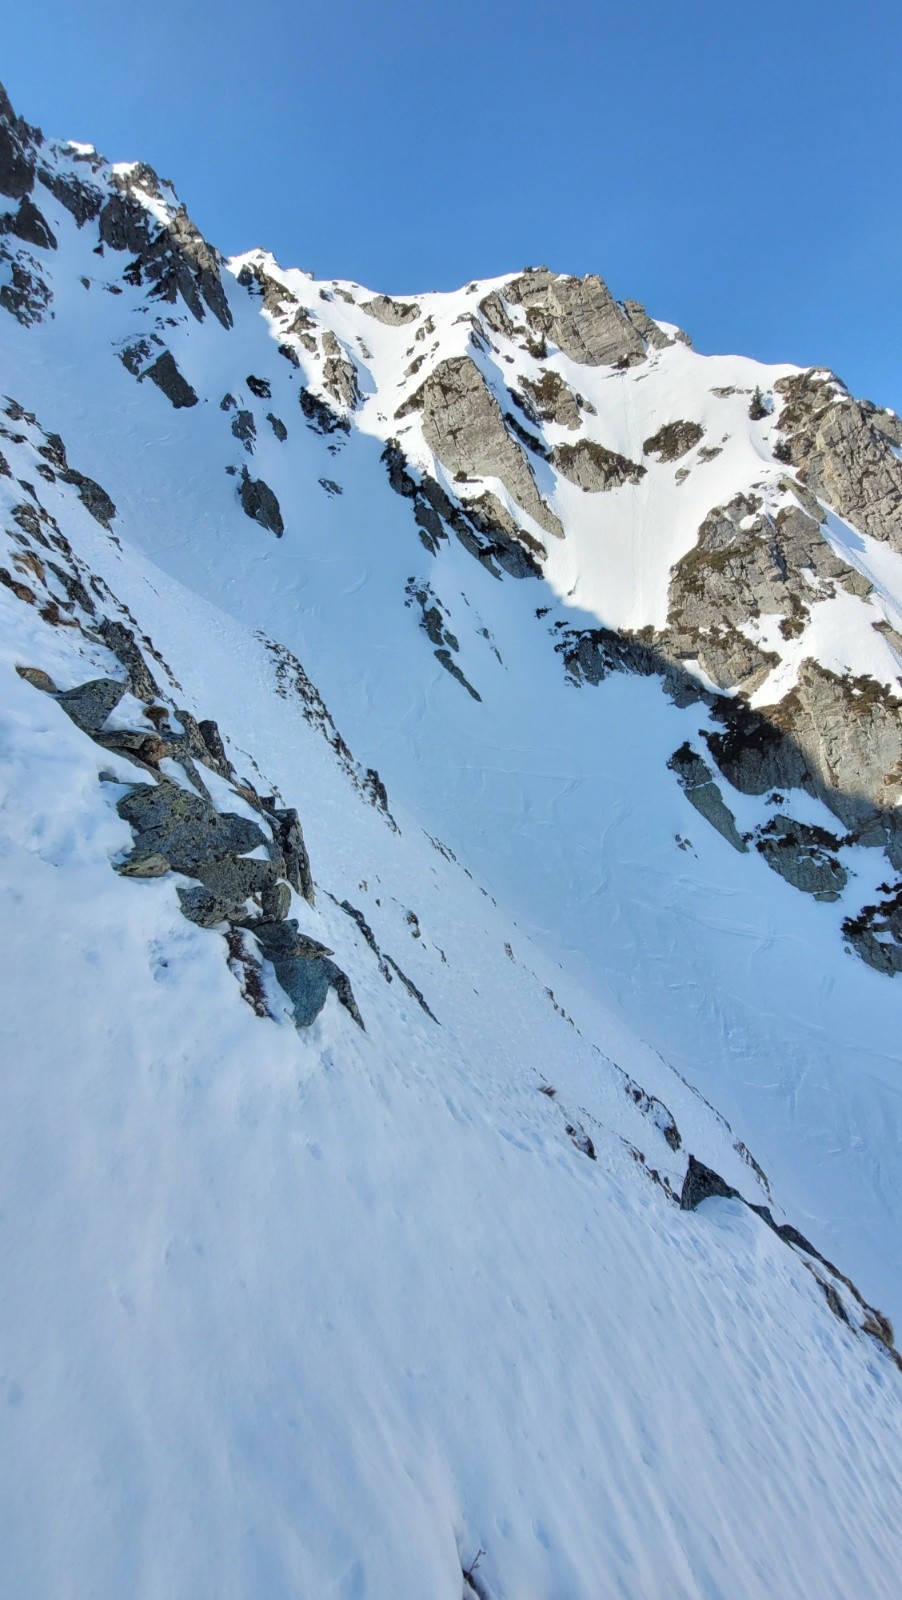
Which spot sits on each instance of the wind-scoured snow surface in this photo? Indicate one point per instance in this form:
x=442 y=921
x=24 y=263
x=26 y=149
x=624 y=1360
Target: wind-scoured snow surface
x=334 y=1312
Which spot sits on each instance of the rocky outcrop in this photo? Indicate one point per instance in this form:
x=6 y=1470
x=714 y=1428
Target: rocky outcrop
x=579 y=315
x=550 y=399
x=876 y=932
x=594 y=468
x=482 y=524
x=843 y=454
x=28 y=224
x=339 y=373
x=804 y=855
x=394 y=313
x=172 y=257
x=17 y=151
x=260 y=503
x=697 y=782
x=643 y=323
x=165 y=374
x=674 y=440
x=432 y=621
x=747 y=564
x=463 y=424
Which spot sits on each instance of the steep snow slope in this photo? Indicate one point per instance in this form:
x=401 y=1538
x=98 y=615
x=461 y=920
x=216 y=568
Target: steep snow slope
x=370 y=1289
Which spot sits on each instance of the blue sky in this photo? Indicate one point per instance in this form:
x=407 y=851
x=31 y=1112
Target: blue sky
x=734 y=166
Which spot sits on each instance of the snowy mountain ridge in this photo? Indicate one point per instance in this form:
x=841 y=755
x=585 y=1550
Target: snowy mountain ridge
x=420 y=1139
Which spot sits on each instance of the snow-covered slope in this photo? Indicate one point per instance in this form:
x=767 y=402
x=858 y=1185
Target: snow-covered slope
x=334 y=1307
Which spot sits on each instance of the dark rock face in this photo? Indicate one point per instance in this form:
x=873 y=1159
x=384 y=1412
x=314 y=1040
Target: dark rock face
x=245 y=428
x=90 y=704
x=17 y=141
x=697 y=782
x=674 y=440
x=305 y=971
x=165 y=374
x=290 y=841
x=876 y=932
x=186 y=830
x=26 y=296
x=703 y=1183
x=260 y=503
x=82 y=200
x=174 y=258
x=320 y=415
x=804 y=856
x=278 y=427
x=258 y=387
x=92 y=495
x=120 y=639
x=29 y=225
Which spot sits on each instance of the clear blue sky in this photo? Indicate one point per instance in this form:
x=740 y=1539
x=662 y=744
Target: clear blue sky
x=736 y=166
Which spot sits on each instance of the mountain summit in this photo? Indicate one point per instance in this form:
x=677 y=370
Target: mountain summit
x=452 y=763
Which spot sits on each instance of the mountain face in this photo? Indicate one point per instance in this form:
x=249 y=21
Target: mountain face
x=452 y=859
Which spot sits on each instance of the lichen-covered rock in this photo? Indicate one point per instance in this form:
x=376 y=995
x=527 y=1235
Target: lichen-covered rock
x=804 y=855
x=121 y=640
x=580 y=315
x=464 y=426
x=550 y=399
x=843 y=454
x=674 y=440
x=748 y=564
x=260 y=503
x=304 y=970
x=183 y=828
x=90 y=704
x=697 y=782
x=593 y=467
x=392 y=312
x=165 y=374
x=289 y=837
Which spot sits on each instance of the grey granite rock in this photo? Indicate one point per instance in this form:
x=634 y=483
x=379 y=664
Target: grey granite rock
x=184 y=828
x=90 y=704
x=394 y=313
x=580 y=315
x=593 y=467
x=697 y=782
x=463 y=424
x=843 y=453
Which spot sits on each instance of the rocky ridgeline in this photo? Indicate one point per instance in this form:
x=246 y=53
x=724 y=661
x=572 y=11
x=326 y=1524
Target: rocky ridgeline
x=492 y=415
x=176 y=825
